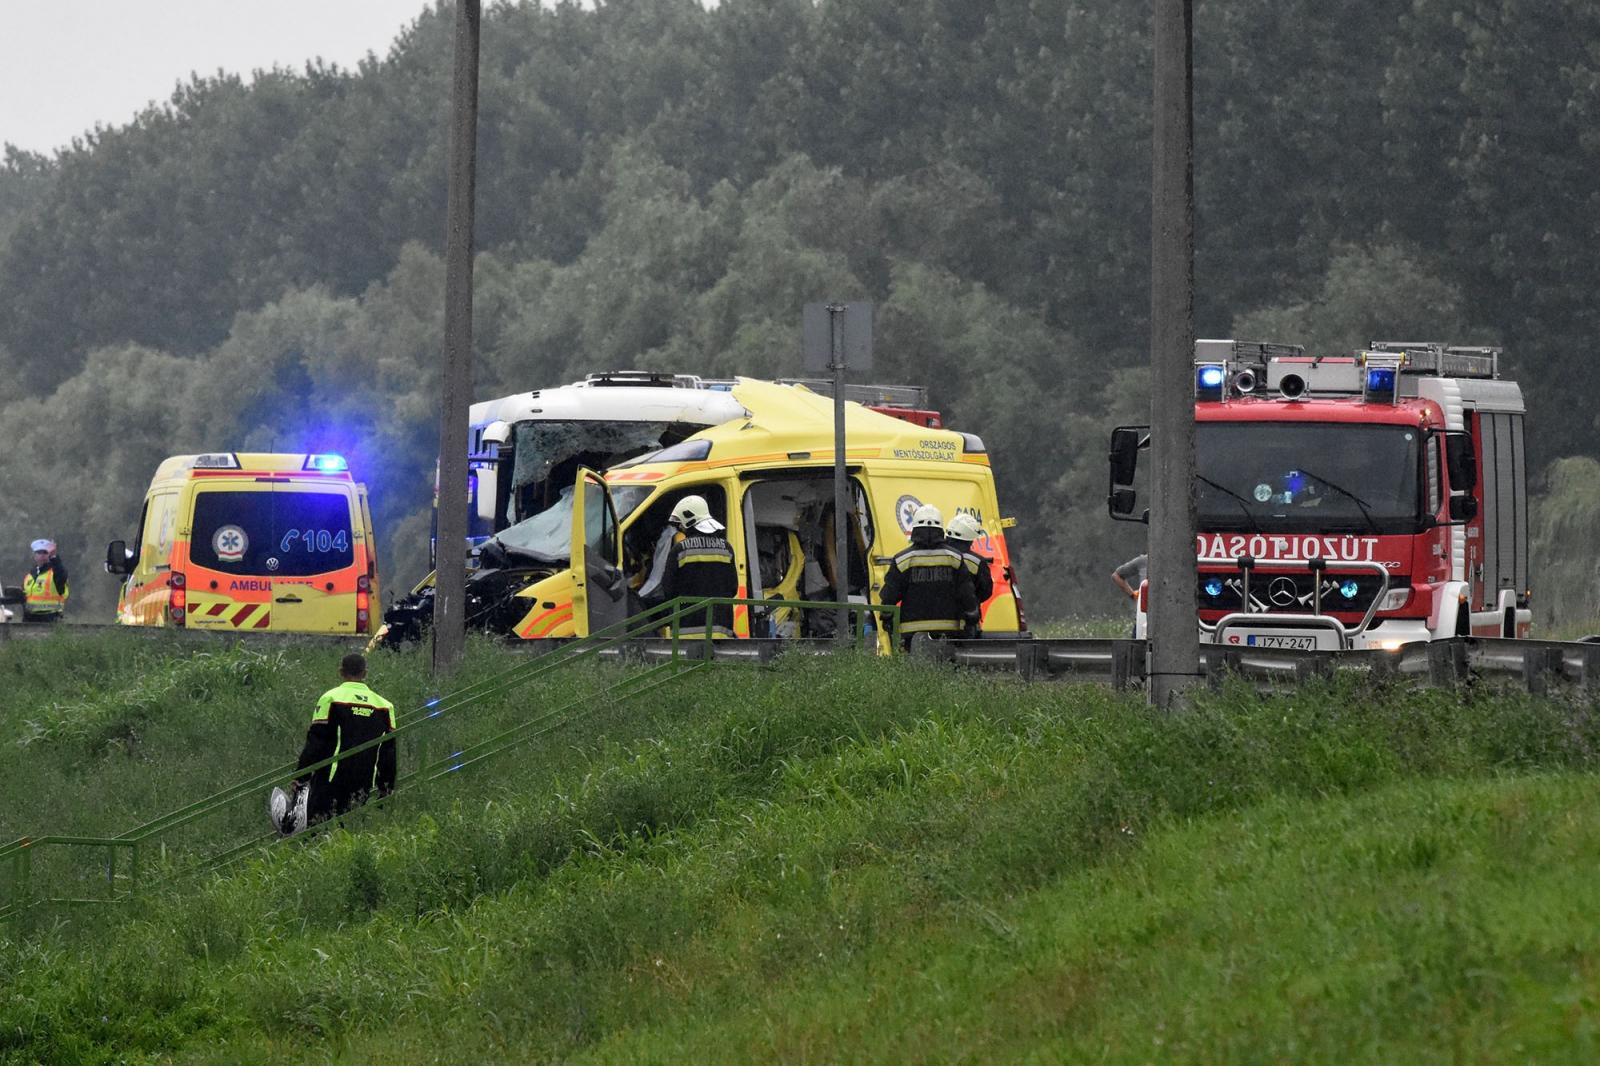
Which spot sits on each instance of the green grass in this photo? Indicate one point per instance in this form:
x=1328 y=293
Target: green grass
x=851 y=860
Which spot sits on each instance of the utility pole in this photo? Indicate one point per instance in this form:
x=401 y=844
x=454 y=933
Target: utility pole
x=450 y=543
x=1174 y=630
x=842 y=512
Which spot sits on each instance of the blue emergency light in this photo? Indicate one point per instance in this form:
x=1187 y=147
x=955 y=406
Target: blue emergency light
x=1213 y=587
x=1348 y=588
x=1210 y=381
x=326 y=463
x=1381 y=382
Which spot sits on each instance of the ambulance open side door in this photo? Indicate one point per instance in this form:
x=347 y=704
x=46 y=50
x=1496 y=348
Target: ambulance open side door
x=600 y=597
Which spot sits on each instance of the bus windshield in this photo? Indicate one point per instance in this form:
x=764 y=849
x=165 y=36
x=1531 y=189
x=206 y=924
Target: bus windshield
x=1308 y=478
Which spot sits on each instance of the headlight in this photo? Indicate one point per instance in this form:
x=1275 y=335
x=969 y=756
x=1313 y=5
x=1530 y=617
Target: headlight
x=1394 y=599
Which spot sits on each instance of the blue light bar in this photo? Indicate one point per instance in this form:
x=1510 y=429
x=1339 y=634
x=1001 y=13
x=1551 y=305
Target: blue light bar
x=326 y=463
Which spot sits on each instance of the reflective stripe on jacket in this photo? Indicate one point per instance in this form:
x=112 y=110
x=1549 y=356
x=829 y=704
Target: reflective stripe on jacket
x=933 y=588
x=41 y=594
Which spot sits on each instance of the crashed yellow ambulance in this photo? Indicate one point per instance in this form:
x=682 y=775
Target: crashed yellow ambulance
x=587 y=561
x=250 y=542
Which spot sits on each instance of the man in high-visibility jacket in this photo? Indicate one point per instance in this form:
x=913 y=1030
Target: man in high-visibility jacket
x=930 y=582
x=700 y=564
x=348 y=715
x=44 y=590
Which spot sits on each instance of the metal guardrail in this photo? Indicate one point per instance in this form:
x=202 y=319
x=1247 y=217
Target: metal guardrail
x=1539 y=665
x=76 y=876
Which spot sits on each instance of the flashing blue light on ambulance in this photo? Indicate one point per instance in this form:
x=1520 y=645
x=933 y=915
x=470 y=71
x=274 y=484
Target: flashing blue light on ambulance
x=326 y=463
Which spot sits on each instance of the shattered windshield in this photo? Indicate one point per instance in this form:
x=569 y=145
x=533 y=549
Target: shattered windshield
x=542 y=446
x=547 y=536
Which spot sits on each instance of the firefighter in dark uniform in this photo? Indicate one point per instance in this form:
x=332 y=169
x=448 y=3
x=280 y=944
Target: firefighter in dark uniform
x=930 y=582
x=44 y=590
x=959 y=535
x=347 y=716
x=699 y=564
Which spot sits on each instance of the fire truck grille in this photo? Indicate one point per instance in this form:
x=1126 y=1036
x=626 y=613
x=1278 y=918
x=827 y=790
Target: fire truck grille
x=1290 y=591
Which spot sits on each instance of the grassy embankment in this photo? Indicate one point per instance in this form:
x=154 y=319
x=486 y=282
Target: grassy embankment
x=828 y=861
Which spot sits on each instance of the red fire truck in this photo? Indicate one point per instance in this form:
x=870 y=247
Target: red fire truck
x=1365 y=500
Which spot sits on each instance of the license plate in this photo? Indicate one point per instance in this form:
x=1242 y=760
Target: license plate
x=1264 y=640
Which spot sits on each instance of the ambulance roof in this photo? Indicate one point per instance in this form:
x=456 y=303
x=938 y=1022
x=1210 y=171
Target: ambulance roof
x=221 y=464
x=786 y=422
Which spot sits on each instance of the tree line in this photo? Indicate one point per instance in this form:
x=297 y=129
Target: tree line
x=255 y=263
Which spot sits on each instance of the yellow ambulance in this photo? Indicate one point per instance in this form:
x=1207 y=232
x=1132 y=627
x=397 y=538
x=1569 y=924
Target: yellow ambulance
x=767 y=476
x=251 y=542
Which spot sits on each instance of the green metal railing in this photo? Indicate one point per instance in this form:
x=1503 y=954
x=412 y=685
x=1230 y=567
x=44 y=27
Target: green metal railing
x=126 y=855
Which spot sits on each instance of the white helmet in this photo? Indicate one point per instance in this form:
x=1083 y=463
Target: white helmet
x=963 y=527
x=43 y=545
x=693 y=513
x=927 y=517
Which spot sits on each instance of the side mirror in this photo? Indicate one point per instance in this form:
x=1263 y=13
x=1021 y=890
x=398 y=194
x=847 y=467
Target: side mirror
x=1463 y=509
x=1122 y=498
x=488 y=489
x=1122 y=502
x=119 y=560
x=1125 y=444
x=11 y=595
x=1460 y=461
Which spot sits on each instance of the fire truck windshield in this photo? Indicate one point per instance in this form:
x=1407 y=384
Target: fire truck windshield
x=1308 y=478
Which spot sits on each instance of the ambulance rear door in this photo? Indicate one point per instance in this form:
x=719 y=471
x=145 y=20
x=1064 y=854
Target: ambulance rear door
x=278 y=555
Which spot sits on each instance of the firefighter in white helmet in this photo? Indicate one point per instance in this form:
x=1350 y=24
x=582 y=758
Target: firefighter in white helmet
x=930 y=582
x=959 y=535
x=700 y=563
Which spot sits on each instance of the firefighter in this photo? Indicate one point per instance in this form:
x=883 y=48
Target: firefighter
x=44 y=590
x=699 y=564
x=959 y=535
x=930 y=582
x=347 y=715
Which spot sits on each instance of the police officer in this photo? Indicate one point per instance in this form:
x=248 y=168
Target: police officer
x=930 y=582
x=44 y=590
x=348 y=715
x=959 y=535
x=700 y=564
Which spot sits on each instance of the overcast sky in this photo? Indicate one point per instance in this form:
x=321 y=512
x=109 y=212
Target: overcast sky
x=67 y=64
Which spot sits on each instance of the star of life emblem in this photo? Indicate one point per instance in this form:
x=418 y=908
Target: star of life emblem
x=230 y=543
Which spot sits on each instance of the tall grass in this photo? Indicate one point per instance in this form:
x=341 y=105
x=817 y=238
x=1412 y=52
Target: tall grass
x=832 y=859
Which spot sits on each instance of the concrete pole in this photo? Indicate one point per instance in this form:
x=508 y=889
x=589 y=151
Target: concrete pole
x=450 y=545
x=1174 y=630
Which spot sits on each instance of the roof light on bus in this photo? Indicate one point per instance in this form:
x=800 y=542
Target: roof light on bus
x=326 y=463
